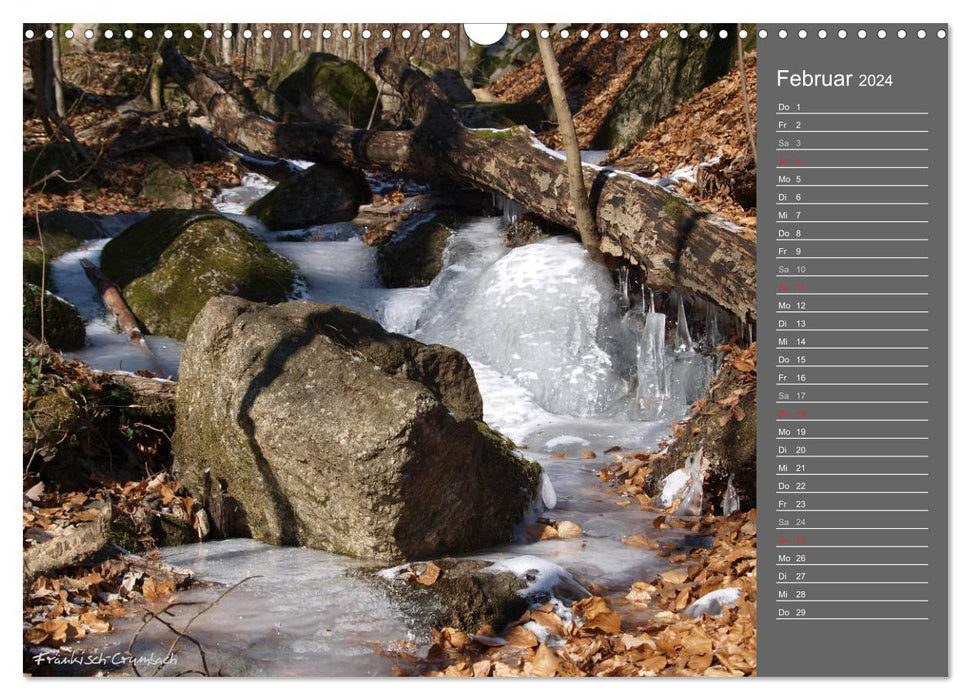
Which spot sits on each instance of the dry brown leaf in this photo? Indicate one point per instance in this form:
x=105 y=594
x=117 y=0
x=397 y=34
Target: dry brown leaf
x=567 y=529
x=545 y=663
x=519 y=636
x=429 y=574
x=153 y=589
x=640 y=540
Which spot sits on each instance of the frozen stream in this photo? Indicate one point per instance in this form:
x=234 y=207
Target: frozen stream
x=556 y=365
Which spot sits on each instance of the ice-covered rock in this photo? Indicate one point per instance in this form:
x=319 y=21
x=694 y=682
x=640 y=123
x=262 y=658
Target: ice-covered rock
x=539 y=314
x=713 y=603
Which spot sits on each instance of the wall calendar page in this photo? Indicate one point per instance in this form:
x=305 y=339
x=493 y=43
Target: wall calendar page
x=486 y=350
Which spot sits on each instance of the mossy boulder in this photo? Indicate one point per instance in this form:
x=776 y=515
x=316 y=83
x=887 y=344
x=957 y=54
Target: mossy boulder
x=321 y=194
x=413 y=257
x=673 y=70
x=37 y=257
x=49 y=420
x=322 y=429
x=321 y=86
x=171 y=263
x=63 y=326
x=166 y=185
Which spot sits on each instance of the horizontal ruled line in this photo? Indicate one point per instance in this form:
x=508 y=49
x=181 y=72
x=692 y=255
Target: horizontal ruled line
x=851 y=510
x=851 y=420
x=855 y=619
x=874 y=402
x=856 y=564
x=851 y=546
x=851 y=240
x=864 y=366
x=800 y=348
x=852 y=528
x=856 y=185
x=851 y=456
x=852 y=204
x=851 y=131
x=852 y=600
x=779 y=150
x=854 y=437
x=910 y=114
x=850 y=583
x=802 y=475
x=851 y=330
x=851 y=221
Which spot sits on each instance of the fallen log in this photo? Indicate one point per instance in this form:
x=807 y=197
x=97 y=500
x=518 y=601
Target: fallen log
x=113 y=301
x=676 y=243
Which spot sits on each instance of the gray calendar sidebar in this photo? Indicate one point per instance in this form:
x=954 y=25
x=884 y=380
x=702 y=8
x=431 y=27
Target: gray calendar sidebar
x=852 y=155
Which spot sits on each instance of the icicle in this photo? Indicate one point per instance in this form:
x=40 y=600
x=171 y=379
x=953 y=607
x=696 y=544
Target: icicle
x=730 y=500
x=652 y=385
x=652 y=301
x=748 y=336
x=643 y=300
x=682 y=342
x=624 y=281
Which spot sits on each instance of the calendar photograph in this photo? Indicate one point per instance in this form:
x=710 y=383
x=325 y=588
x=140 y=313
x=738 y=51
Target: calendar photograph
x=379 y=350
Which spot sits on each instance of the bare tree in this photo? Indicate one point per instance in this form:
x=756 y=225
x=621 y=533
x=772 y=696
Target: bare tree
x=586 y=224
x=58 y=77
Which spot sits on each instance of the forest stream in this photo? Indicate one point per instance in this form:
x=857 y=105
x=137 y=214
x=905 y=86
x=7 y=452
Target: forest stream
x=565 y=362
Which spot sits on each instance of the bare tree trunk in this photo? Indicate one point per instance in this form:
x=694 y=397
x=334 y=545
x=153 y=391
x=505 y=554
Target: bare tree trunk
x=113 y=301
x=227 y=45
x=58 y=77
x=674 y=242
x=579 y=197
x=319 y=38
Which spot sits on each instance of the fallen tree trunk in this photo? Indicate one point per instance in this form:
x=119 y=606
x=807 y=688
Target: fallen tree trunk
x=675 y=243
x=113 y=301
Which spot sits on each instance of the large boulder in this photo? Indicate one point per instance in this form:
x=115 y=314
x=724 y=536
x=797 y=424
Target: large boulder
x=673 y=70
x=321 y=194
x=171 y=263
x=62 y=324
x=166 y=185
x=321 y=86
x=306 y=423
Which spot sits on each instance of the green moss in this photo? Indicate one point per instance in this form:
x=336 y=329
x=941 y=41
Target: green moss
x=49 y=421
x=165 y=184
x=124 y=534
x=336 y=89
x=675 y=209
x=37 y=258
x=171 y=263
x=63 y=326
x=494 y=134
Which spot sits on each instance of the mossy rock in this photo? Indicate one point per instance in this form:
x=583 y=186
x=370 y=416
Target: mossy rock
x=166 y=185
x=49 y=420
x=172 y=262
x=322 y=194
x=42 y=161
x=414 y=258
x=63 y=326
x=493 y=61
x=673 y=70
x=170 y=531
x=37 y=257
x=501 y=115
x=322 y=86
